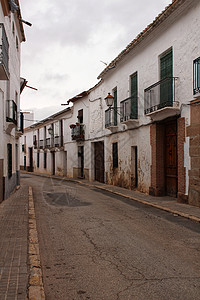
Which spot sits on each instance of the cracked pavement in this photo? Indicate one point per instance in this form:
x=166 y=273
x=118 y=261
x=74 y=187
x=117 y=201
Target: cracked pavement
x=94 y=245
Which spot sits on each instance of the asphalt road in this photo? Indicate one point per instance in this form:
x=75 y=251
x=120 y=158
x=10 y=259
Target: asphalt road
x=96 y=245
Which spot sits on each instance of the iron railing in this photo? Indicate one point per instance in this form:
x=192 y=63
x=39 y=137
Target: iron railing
x=4 y=47
x=159 y=95
x=111 y=117
x=48 y=143
x=196 y=76
x=129 y=109
x=11 y=111
x=78 y=132
x=41 y=144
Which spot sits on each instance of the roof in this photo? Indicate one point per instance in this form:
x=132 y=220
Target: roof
x=78 y=97
x=20 y=23
x=49 y=118
x=142 y=35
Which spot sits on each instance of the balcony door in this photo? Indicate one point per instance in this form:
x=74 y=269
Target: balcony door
x=134 y=96
x=166 y=74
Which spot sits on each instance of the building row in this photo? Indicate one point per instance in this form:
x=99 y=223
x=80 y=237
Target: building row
x=11 y=86
x=139 y=126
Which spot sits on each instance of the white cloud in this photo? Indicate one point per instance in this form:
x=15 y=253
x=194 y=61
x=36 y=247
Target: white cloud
x=62 y=54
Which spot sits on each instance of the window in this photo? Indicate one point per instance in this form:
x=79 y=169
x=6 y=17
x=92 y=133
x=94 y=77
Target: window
x=13 y=28
x=115 y=106
x=35 y=141
x=134 y=96
x=80 y=116
x=9 y=156
x=23 y=148
x=115 y=155
x=38 y=159
x=17 y=44
x=166 y=75
x=196 y=76
x=45 y=160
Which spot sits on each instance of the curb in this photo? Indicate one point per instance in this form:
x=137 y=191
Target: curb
x=36 y=287
x=172 y=211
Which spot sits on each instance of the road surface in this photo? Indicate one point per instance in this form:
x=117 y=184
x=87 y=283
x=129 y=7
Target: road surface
x=99 y=246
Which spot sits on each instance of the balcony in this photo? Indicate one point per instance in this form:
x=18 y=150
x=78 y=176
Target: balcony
x=11 y=115
x=4 y=58
x=48 y=143
x=111 y=119
x=58 y=141
x=129 y=111
x=160 y=100
x=78 y=133
x=41 y=144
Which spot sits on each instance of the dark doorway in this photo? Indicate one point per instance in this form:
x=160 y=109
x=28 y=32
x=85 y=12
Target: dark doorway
x=99 y=161
x=30 y=159
x=53 y=163
x=81 y=161
x=171 y=177
x=134 y=167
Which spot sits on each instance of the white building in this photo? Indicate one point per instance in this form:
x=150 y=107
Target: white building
x=11 y=36
x=140 y=142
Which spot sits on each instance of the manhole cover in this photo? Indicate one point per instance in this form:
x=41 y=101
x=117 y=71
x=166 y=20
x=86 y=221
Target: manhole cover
x=63 y=199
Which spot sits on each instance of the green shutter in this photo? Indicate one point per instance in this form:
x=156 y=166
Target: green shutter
x=115 y=107
x=134 y=96
x=166 y=87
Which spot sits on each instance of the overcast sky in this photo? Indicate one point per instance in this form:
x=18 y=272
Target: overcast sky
x=68 y=40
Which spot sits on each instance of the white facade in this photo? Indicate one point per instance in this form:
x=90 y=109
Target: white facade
x=12 y=34
x=139 y=151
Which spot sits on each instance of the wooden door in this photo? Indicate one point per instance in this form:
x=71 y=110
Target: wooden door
x=99 y=161
x=171 y=159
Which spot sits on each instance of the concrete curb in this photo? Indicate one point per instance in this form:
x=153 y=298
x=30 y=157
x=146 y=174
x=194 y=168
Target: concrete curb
x=36 y=287
x=172 y=211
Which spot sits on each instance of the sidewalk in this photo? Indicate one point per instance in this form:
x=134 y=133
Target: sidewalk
x=13 y=246
x=166 y=203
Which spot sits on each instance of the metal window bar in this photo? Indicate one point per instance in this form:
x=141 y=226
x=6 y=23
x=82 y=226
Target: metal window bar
x=4 y=46
x=41 y=144
x=78 y=132
x=159 y=95
x=11 y=111
x=129 y=109
x=196 y=76
x=57 y=141
x=110 y=117
x=48 y=142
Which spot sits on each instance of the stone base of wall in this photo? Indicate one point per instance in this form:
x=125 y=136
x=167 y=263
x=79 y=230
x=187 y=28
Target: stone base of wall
x=182 y=198
x=193 y=131
x=9 y=185
x=1 y=181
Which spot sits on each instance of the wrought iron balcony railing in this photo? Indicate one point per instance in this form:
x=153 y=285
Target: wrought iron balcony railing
x=159 y=95
x=129 y=109
x=4 y=57
x=78 y=132
x=58 y=141
x=111 y=117
x=48 y=143
x=11 y=111
x=41 y=144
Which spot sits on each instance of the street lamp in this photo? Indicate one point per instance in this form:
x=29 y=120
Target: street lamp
x=109 y=100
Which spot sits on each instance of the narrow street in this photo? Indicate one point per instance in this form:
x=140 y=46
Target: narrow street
x=99 y=246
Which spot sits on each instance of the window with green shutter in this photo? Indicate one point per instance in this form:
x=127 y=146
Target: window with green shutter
x=134 y=96
x=166 y=77
x=115 y=107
